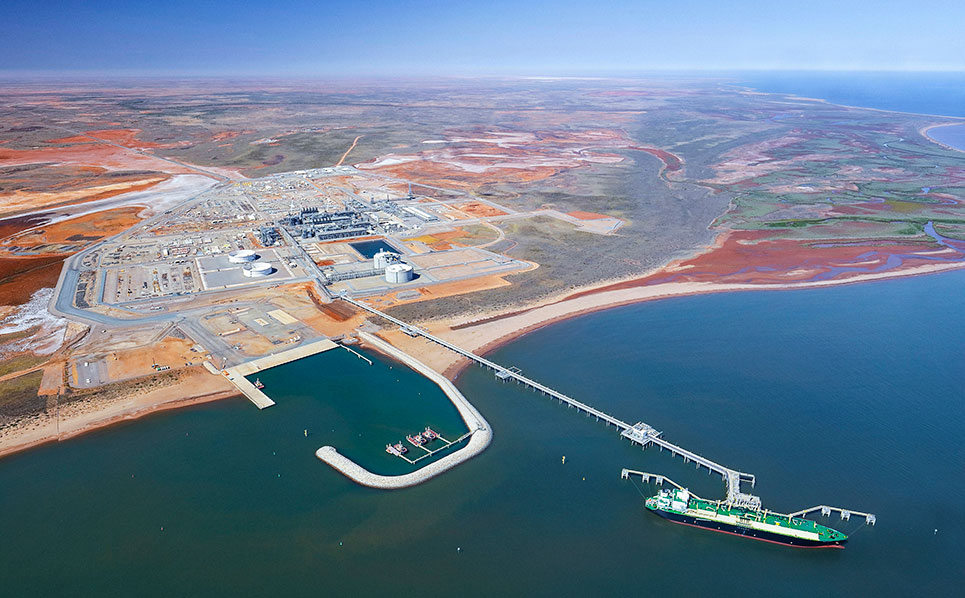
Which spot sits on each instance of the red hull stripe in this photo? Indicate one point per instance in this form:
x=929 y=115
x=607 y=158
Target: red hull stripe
x=723 y=531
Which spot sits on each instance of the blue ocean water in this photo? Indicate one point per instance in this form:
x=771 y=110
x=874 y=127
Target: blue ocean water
x=849 y=396
x=918 y=92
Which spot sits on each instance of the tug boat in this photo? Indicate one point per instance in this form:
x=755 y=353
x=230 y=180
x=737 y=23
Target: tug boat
x=258 y=384
x=416 y=440
x=429 y=434
x=396 y=449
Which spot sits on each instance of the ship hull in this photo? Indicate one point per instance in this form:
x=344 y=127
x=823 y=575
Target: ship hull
x=745 y=532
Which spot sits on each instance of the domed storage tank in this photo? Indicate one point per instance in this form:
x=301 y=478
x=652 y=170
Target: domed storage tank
x=242 y=256
x=258 y=269
x=398 y=273
x=384 y=258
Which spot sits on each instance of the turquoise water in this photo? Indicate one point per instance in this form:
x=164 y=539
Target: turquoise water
x=849 y=396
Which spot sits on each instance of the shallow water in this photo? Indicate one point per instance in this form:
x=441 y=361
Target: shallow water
x=953 y=136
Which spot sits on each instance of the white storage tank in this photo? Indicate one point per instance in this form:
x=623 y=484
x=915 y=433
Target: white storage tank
x=258 y=269
x=384 y=258
x=242 y=256
x=398 y=273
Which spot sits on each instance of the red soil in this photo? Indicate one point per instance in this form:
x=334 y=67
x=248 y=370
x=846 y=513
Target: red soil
x=90 y=227
x=586 y=215
x=21 y=277
x=480 y=209
x=670 y=161
x=125 y=137
x=109 y=157
x=747 y=257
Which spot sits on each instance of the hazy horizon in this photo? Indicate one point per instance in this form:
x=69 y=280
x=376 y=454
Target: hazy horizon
x=429 y=39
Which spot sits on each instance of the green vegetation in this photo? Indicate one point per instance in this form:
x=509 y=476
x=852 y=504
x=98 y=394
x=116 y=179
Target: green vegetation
x=18 y=396
x=20 y=363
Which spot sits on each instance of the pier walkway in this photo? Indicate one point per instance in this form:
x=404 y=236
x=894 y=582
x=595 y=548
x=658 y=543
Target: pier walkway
x=501 y=372
x=236 y=375
x=639 y=433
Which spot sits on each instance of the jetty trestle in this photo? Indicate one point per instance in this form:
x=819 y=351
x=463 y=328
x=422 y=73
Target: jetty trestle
x=657 y=479
x=502 y=372
x=846 y=514
x=639 y=433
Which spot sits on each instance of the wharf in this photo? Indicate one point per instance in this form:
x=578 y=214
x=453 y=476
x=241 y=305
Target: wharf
x=236 y=375
x=269 y=361
x=479 y=433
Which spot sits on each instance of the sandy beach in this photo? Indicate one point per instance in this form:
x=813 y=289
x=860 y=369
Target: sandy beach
x=81 y=417
x=924 y=131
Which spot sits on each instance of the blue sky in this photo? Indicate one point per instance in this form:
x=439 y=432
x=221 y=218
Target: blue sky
x=478 y=38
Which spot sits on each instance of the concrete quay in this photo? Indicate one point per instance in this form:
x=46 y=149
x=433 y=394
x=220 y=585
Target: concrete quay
x=269 y=361
x=236 y=375
x=480 y=432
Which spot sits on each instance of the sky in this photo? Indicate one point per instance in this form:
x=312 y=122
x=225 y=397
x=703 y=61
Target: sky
x=565 y=37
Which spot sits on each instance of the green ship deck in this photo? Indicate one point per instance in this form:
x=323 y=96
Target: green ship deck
x=684 y=503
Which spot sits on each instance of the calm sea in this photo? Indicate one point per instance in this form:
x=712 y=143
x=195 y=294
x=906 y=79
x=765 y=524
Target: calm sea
x=921 y=93
x=849 y=396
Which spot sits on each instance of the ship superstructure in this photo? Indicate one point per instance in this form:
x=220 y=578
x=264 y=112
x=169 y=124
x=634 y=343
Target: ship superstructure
x=744 y=516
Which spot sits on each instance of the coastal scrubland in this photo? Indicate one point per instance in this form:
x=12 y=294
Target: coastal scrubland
x=711 y=184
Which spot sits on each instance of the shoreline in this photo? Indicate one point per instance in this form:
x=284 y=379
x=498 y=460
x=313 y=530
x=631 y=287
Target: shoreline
x=482 y=335
x=924 y=133
x=34 y=437
x=795 y=96
x=526 y=320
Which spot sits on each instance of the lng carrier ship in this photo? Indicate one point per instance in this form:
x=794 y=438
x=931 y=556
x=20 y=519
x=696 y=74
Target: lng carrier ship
x=681 y=506
x=740 y=513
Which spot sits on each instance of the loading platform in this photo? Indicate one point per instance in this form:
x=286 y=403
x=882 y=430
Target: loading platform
x=659 y=480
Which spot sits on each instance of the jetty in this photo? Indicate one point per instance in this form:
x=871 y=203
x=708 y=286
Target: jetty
x=236 y=374
x=639 y=433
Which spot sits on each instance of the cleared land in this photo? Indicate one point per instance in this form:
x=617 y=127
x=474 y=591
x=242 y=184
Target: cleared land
x=603 y=192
